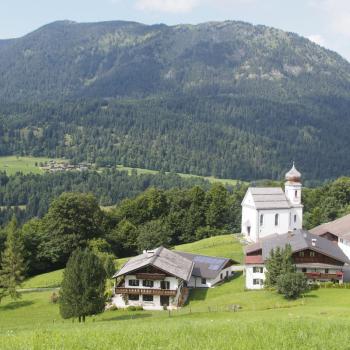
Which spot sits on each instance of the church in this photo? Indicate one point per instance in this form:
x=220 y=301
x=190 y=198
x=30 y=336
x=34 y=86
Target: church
x=270 y=210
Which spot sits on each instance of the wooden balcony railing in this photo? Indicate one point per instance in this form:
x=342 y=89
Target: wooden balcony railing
x=324 y=276
x=148 y=291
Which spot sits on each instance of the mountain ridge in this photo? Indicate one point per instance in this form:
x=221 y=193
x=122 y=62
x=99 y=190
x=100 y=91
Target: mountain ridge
x=228 y=99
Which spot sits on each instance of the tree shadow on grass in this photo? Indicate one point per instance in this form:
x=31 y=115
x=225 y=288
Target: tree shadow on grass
x=308 y=296
x=126 y=317
x=16 y=305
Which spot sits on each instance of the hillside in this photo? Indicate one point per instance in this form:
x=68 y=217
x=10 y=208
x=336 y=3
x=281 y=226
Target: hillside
x=320 y=320
x=227 y=99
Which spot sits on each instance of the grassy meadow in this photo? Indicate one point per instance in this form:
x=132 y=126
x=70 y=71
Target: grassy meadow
x=13 y=164
x=211 y=179
x=265 y=320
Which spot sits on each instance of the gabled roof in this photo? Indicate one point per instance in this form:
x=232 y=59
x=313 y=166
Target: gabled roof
x=298 y=240
x=339 y=228
x=162 y=258
x=269 y=198
x=206 y=266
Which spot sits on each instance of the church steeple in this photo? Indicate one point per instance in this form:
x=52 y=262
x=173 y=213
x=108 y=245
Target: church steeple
x=292 y=187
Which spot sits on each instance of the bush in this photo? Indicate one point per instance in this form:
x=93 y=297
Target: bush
x=292 y=285
x=54 y=298
x=135 y=308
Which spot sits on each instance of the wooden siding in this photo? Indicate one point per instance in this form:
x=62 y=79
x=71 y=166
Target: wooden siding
x=144 y=291
x=318 y=258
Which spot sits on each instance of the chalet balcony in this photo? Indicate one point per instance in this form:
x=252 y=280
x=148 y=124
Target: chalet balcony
x=144 y=291
x=324 y=276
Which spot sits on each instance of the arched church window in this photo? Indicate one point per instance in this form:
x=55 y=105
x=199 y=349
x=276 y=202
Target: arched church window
x=276 y=220
x=261 y=219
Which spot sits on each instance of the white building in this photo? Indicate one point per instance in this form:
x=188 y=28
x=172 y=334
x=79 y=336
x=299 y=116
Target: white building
x=317 y=257
x=269 y=210
x=161 y=278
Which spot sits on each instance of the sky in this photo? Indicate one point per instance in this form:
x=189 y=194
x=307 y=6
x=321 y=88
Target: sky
x=326 y=22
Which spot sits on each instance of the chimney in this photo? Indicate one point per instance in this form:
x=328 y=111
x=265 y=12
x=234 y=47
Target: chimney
x=313 y=242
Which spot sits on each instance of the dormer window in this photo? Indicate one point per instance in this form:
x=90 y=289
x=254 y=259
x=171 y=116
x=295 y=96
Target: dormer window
x=276 y=219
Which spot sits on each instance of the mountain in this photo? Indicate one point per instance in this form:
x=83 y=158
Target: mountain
x=223 y=98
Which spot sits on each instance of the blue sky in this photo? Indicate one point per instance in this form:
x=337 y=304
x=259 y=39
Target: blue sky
x=326 y=22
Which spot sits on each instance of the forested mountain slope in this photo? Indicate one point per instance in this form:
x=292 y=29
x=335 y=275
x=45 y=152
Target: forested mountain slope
x=228 y=99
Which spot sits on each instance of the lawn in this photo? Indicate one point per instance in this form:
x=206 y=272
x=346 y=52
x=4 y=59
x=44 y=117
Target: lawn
x=265 y=320
x=14 y=164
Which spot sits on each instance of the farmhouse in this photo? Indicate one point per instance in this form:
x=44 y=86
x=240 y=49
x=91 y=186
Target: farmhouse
x=161 y=278
x=337 y=231
x=317 y=257
x=270 y=210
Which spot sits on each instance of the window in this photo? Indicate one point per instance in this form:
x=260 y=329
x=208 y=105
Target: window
x=261 y=219
x=326 y=270
x=258 y=282
x=341 y=240
x=164 y=285
x=301 y=254
x=203 y=281
x=258 y=269
x=147 y=297
x=134 y=297
x=221 y=276
x=147 y=283
x=226 y=273
x=295 y=218
x=248 y=229
x=276 y=220
x=134 y=283
x=296 y=194
x=312 y=254
x=304 y=269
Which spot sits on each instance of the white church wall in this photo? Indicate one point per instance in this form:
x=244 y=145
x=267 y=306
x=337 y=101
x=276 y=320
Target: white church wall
x=250 y=219
x=268 y=227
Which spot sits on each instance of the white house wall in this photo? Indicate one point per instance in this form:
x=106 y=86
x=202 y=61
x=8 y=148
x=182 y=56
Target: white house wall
x=345 y=247
x=196 y=282
x=250 y=276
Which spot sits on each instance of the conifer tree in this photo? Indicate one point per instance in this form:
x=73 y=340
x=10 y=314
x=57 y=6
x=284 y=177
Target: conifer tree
x=13 y=267
x=83 y=287
x=278 y=263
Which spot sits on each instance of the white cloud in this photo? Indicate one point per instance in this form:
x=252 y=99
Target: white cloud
x=338 y=13
x=318 y=39
x=169 y=6
x=185 y=6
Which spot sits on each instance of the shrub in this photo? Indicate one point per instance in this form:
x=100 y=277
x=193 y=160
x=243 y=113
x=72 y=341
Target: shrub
x=54 y=298
x=292 y=285
x=135 y=308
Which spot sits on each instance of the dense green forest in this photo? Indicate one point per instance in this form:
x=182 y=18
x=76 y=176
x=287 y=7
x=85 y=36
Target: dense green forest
x=154 y=217
x=30 y=195
x=227 y=99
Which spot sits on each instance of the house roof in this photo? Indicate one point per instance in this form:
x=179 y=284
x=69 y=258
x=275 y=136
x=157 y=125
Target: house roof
x=162 y=258
x=339 y=228
x=253 y=259
x=269 y=198
x=206 y=266
x=299 y=240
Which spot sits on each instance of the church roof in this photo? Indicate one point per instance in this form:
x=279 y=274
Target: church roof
x=269 y=198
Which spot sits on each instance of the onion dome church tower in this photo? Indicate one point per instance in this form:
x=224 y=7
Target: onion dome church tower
x=292 y=187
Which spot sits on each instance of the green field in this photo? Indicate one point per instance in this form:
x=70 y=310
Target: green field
x=211 y=179
x=26 y=165
x=320 y=320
